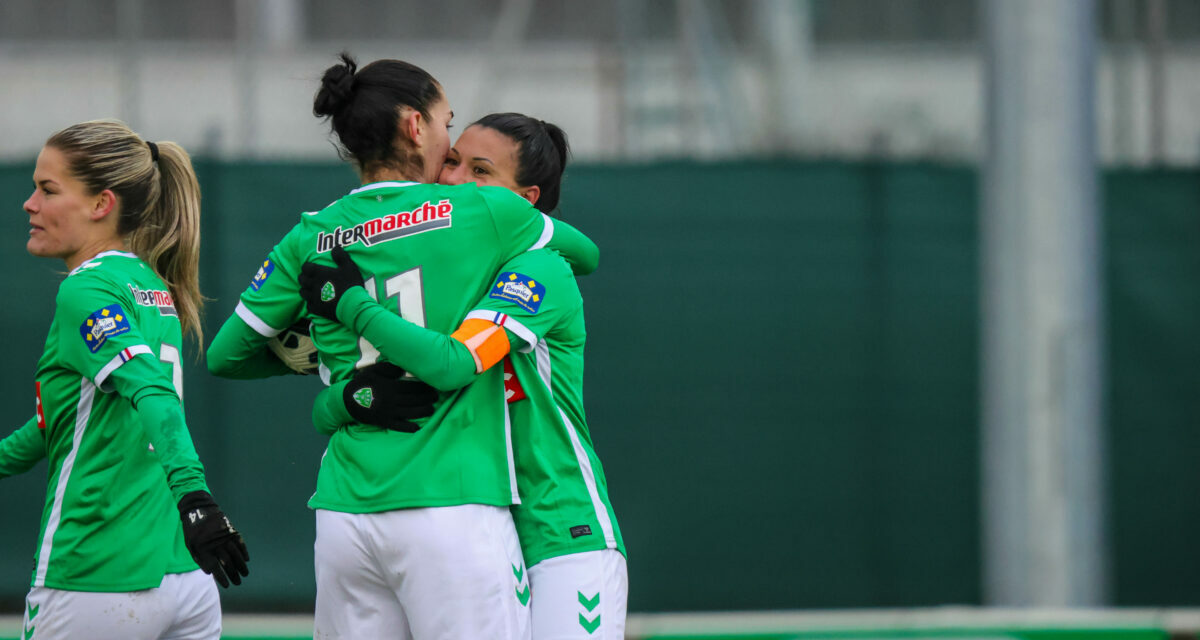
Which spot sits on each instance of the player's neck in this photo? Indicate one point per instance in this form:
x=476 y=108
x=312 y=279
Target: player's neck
x=389 y=175
x=91 y=250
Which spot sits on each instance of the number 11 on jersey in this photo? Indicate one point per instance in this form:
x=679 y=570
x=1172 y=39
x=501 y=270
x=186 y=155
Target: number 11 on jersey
x=408 y=288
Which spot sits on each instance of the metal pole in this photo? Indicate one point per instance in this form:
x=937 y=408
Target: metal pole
x=1156 y=37
x=785 y=27
x=1042 y=368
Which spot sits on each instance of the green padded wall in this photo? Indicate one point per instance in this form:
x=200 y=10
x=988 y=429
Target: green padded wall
x=782 y=380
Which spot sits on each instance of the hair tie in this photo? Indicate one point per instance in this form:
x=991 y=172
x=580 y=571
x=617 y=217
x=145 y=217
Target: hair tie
x=153 y=151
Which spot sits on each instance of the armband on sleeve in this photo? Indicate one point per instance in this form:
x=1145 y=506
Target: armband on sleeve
x=487 y=342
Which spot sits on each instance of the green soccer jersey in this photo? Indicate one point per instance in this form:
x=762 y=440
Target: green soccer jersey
x=564 y=496
x=110 y=521
x=426 y=252
x=564 y=506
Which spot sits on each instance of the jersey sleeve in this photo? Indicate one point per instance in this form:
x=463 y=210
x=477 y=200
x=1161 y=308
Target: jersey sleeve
x=579 y=251
x=272 y=301
x=329 y=410
x=96 y=332
x=517 y=223
x=530 y=295
x=436 y=359
x=161 y=416
x=239 y=352
x=268 y=306
x=22 y=449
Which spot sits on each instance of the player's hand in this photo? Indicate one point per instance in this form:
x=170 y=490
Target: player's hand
x=322 y=287
x=378 y=395
x=214 y=544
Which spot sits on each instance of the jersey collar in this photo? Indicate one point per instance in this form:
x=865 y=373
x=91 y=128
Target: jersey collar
x=89 y=263
x=382 y=185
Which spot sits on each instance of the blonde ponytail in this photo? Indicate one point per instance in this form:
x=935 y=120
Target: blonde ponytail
x=159 y=198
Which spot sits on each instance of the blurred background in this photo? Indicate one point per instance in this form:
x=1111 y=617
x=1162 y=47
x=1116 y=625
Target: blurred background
x=898 y=299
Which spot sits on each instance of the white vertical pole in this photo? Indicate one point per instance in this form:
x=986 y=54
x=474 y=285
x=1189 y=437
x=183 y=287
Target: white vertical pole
x=1042 y=369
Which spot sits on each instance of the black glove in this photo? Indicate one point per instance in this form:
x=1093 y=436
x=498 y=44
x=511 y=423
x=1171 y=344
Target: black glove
x=214 y=544
x=322 y=287
x=377 y=395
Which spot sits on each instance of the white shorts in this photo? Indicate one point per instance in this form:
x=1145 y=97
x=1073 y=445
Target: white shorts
x=438 y=572
x=184 y=607
x=580 y=596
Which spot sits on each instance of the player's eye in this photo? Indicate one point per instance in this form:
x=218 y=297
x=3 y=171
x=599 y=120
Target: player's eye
x=450 y=162
x=479 y=171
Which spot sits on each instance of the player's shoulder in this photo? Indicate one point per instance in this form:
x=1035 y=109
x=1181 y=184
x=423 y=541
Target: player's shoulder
x=502 y=197
x=546 y=262
x=108 y=268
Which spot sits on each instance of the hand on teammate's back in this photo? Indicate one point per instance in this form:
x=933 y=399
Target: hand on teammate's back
x=213 y=542
x=322 y=287
x=379 y=395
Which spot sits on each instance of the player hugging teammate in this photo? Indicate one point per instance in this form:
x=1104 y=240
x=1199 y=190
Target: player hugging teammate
x=418 y=490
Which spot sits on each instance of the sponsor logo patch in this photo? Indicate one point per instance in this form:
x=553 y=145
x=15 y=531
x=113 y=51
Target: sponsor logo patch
x=264 y=272
x=103 y=324
x=520 y=289
x=154 y=298
x=581 y=530
x=427 y=217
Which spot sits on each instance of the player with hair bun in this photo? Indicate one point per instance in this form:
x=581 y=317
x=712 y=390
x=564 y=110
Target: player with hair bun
x=414 y=535
x=128 y=514
x=531 y=319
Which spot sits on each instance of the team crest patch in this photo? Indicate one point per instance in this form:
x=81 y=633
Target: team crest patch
x=102 y=325
x=264 y=272
x=518 y=288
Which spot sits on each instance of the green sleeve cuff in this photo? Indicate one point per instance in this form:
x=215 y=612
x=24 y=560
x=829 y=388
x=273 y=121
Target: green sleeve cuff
x=329 y=410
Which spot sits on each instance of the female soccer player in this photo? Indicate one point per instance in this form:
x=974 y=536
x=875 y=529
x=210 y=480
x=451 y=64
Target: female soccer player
x=414 y=535
x=568 y=533
x=113 y=559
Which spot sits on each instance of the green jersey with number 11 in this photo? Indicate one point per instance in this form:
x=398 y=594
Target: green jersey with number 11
x=427 y=253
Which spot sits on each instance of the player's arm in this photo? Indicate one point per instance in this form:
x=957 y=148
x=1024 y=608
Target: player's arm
x=517 y=225
x=378 y=395
x=240 y=352
x=266 y=308
x=579 y=251
x=115 y=357
x=446 y=362
x=141 y=380
x=22 y=449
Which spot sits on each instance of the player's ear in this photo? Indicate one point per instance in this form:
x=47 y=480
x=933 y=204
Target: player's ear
x=412 y=124
x=530 y=193
x=103 y=204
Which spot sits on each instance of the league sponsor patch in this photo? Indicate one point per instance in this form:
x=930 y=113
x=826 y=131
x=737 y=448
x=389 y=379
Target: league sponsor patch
x=518 y=288
x=426 y=217
x=264 y=272
x=581 y=530
x=103 y=324
x=154 y=298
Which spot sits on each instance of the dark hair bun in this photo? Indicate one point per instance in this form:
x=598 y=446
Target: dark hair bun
x=337 y=87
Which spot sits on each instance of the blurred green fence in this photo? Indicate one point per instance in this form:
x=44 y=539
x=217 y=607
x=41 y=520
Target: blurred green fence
x=782 y=381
